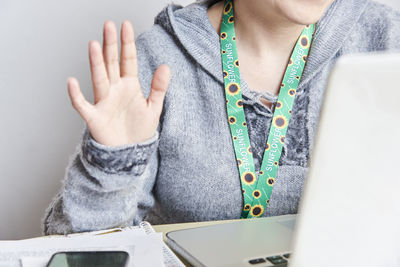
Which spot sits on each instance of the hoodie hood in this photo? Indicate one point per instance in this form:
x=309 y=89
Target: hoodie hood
x=192 y=29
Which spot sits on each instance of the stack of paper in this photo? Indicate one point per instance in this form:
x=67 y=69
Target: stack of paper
x=145 y=247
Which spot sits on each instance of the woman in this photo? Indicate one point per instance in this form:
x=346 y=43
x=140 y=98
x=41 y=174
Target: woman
x=170 y=155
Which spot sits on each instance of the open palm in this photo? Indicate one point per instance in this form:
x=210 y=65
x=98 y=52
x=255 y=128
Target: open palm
x=120 y=114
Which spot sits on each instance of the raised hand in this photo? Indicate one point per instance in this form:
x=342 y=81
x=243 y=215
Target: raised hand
x=120 y=114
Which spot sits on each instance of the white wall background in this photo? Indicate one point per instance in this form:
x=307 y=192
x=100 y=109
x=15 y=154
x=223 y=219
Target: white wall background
x=42 y=43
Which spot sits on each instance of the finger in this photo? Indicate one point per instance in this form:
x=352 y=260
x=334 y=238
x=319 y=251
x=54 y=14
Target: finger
x=100 y=80
x=159 y=86
x=110 y=51
x=78 y=101
x=128 y=50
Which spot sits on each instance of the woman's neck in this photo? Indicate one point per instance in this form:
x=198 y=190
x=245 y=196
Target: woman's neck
x=262 y=29
x=264 y=40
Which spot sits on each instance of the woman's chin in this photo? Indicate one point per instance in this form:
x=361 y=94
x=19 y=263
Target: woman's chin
x=304 y=12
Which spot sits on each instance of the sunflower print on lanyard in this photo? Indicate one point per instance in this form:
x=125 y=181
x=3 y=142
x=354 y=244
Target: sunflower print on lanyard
x=257 y=192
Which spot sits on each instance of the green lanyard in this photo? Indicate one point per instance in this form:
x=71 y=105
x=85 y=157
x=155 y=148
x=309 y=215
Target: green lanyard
x=257 y=192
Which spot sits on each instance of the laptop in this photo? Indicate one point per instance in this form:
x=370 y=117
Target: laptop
x=350 y=211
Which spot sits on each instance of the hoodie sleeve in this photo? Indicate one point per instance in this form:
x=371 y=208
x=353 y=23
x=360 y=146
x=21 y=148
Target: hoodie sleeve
x=106 y=187
x=394 y=39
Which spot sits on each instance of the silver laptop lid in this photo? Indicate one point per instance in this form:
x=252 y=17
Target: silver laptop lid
x=350 y=212
x=236 y=243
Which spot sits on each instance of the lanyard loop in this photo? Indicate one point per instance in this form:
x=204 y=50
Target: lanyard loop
x=257 y=192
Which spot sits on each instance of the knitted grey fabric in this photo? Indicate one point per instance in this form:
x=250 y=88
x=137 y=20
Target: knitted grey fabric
x=187 y=171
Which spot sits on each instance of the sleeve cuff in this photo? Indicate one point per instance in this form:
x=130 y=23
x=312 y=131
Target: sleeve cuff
x=124 y=159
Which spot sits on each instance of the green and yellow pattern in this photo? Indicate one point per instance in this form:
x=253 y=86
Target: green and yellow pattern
x=257 y=192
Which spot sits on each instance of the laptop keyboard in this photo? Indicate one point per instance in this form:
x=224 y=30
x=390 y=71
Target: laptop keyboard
x=278 y=260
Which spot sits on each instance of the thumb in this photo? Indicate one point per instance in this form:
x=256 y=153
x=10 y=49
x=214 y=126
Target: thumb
x=78 y=101
x=159 y=86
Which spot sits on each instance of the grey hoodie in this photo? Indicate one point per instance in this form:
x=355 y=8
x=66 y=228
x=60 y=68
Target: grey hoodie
x=187 y=171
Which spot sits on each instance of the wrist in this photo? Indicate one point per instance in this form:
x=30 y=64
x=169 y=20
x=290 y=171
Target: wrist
x=118 y=159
